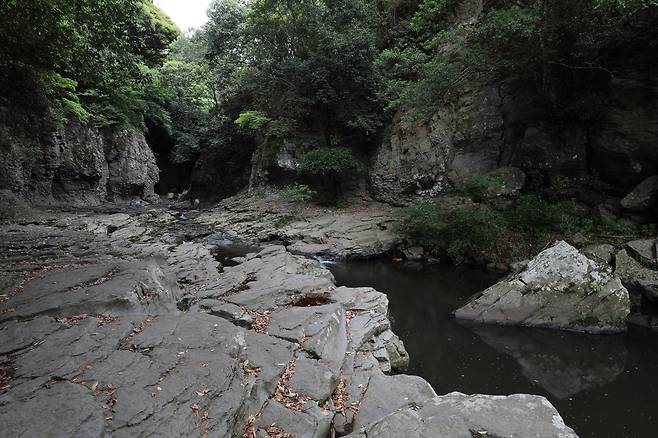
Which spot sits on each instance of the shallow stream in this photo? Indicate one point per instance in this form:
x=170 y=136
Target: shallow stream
x=603 y=386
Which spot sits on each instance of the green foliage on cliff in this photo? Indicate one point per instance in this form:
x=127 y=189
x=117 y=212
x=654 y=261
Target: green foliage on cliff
x=460 y=233
x=327 y=167
x=311 y=65
x=334 y=70
x=102 y=49
x=253 y=120
x=329 y=161
x=565 y=49
x=481 y=233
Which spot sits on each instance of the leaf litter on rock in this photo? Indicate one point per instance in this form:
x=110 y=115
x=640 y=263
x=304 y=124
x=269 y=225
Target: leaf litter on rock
x=261 y=322
x=284 y=394
x=341 y=398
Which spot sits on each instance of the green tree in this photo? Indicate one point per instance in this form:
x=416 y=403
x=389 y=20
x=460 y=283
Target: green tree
x=311 y=67
x=327 y=167
x=105 y=49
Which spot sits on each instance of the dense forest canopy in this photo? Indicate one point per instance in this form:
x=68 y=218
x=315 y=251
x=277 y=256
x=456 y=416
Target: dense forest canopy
x=326 y=73
x=94 y=58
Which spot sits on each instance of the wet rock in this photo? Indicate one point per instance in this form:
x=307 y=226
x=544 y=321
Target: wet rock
x=559 y=289
x=645 y=249
x=414 y=253
x=462 y=416
x=600 y=253
x=644 y=197
x=641 y=281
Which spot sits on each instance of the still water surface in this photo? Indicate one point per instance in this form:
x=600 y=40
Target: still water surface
x=603 y=386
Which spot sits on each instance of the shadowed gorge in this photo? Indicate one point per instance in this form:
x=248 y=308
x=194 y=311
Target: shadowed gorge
x=329 y=218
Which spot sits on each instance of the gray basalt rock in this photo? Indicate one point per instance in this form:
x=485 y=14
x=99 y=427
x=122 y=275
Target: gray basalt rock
x=338 y=234
x=637 y=277
x=461 y=416
x=91 y=326
x=77 y=165
x=140 y=375
x=116 y=287
x=644 y=197
x=559 y=289
x=602 y=253
x=132 y=169
x=645 y=249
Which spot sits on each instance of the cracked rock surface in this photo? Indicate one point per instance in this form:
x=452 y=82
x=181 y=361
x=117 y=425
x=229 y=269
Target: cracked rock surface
x=561 y=288
x=360 y=232
x=123 y=324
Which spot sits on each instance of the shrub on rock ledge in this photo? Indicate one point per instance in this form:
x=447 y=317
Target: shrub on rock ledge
x=298 y=193
x=326 y=168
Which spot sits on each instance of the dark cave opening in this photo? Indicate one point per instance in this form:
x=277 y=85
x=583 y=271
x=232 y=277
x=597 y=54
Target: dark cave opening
x=174 y=177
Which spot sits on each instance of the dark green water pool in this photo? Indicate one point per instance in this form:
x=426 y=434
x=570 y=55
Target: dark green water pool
x=603 y=386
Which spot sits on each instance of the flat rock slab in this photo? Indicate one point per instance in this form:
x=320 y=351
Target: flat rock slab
x=362 y=233
x=461 y=416
x=559 y=289
x=92 y=341
x=170 y=375
x=116 y=287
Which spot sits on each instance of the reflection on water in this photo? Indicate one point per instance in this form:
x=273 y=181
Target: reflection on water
x=604 y=386
x=563 y=364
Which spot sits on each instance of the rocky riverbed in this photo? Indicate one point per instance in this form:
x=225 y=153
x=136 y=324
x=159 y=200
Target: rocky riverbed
x=122 y=323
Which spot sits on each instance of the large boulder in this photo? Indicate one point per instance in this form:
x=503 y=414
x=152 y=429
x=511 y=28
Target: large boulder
x=559 y=289
x=427 y=157
x=637 y=266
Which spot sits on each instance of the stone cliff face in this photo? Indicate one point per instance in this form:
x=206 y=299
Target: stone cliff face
x=76 y=165
x=488 y=122
x=489 y=126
